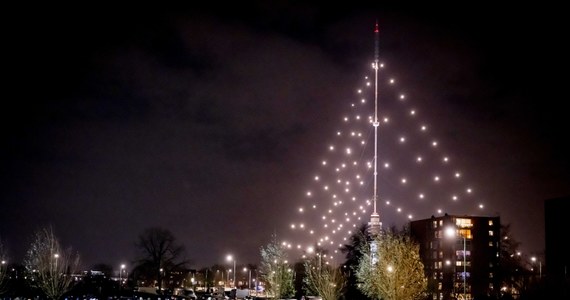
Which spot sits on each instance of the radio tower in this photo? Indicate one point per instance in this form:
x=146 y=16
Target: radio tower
x=374 y=226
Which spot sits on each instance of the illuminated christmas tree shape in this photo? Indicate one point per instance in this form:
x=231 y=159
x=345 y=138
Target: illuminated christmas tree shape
x=416 y=178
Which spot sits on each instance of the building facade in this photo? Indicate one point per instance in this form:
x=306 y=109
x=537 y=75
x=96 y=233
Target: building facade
x=557 y=247
x=460 y=255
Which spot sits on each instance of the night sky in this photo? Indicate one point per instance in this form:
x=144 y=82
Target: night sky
x=211 y=121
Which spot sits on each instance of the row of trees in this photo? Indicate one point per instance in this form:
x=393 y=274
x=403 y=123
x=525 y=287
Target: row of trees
x=397 y=274
x=49 y=266
x=49 y=269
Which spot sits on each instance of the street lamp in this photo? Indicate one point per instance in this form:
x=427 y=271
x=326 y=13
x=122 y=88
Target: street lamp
x=249 y=280
x=121 y=274
x=539 y=266
x=56 y=256
x=451 y=232
x=121 y=278
x=230 y=258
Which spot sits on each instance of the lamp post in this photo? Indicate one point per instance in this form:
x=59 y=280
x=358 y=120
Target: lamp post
x=249 y=279
x=539 y=266
x=121 y=278
x=228 y=276
x=451 y=232
x=55 y=257
x=230 y=258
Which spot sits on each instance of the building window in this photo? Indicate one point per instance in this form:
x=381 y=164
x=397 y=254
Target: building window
x=490 y=232
x=463 y=223
x=434 y=244
x=439 y=286
x=490 y=222
x=490 y=244
x=434 y=224
x=491 y=275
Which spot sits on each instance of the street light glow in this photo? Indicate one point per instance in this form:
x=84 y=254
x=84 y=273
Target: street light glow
x=231 y=258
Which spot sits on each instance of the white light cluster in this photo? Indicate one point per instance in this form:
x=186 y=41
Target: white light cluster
x=342 y=189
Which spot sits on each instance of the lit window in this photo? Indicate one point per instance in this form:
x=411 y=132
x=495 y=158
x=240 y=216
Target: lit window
x=490 y=232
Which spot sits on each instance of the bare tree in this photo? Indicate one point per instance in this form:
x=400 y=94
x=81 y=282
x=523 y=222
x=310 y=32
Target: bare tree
x=398 y=274
x=159 y=253
x=275 y=269
x=324 y=280
x=3 y=266
x=50 y=265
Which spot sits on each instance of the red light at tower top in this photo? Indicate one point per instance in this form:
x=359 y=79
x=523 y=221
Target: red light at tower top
x=376 y=42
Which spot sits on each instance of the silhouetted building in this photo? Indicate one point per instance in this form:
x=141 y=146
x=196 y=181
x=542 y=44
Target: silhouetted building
x=557 y=251
x=460 y=255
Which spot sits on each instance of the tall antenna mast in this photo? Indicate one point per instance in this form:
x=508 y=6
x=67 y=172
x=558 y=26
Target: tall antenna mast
x=375 y=224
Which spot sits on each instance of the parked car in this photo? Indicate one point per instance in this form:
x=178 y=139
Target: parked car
x=184 y=294
x=218 y=296
x=203 y=295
